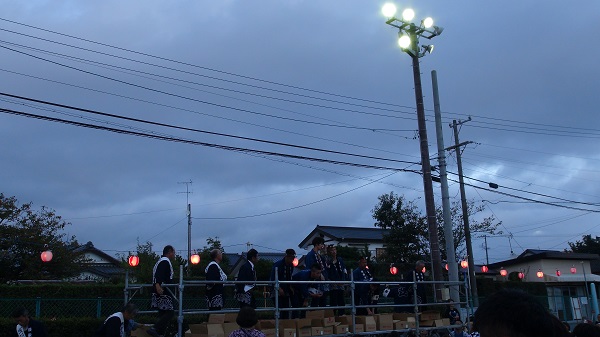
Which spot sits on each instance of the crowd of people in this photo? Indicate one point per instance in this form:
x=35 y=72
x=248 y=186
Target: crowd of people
x=507 y=313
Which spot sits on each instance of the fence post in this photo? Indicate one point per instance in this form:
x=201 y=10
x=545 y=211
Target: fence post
x=38 y=307
x=99 y=307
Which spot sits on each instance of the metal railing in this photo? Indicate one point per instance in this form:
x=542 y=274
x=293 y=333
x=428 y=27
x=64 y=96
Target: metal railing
x=184 y=306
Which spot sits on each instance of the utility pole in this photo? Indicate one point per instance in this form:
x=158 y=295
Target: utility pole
x=450 y=249
x=487 y=258
x=189 y=216
x=465 y=211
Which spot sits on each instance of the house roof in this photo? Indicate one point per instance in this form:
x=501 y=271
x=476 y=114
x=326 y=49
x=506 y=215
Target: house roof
x=345 y=234
x=89 y=248
x=537 y=254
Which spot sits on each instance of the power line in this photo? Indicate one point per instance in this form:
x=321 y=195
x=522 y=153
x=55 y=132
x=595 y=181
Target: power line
x=197 y=130
x=179 y=140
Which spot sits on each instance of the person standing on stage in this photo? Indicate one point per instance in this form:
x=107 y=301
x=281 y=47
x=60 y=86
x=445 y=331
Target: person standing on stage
x=247 y=273
x=162 y=299
x=285 y=293
x=361 y=292
x=336 y=271
x=214 y=291
x=312 y=257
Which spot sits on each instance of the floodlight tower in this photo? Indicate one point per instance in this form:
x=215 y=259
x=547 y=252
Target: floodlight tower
x=408 y=40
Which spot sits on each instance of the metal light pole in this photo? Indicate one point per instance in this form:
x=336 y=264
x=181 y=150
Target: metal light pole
x=409 y=34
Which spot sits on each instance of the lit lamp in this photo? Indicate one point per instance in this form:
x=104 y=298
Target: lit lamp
x=521 y=275
x=46 y=256
x=446 y=266
x=573 y=270
x=134 y=260
x=539 y=273
x=195 y=259
x=503 y=272
x=393 y=270
x=484 y=268
x=464 y=264
x=423 y=270
x=295 y=262
x=557 y=272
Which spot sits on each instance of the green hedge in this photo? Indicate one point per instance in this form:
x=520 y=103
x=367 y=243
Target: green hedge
x=59 y=327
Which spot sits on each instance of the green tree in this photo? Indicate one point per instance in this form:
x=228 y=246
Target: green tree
x=586 y=245
x=27 y=232
x=211 y=243
x=408 y=239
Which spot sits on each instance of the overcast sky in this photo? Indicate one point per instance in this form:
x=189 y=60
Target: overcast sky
x=320 y=74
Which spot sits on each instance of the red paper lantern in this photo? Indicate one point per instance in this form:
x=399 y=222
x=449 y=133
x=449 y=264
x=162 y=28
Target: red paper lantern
x=295 y=262
x=484 y=269
x=195 y=259
x=446 y=266
x=464 y=264
x=46 y=256
x=557 y=272
x=393 y=270
x=134 y=260
x=521 y=275
x=540 y=274
x=423 y=270
x=503 y=272
x=573 y=270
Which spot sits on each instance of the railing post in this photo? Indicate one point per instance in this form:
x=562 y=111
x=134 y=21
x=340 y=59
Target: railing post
x=38 y=307
x=415 y=296
x=99 y=307
x=276 y=291
x=353 y=310
x=180 y=316
x=126 y=289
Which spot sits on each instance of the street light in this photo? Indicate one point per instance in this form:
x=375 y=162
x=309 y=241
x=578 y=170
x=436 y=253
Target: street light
x=409 y=34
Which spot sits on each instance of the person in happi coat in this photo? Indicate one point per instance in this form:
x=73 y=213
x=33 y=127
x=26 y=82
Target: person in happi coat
x=27 y=327
x=283 y=270
x=336 y=271
x=215 y=299
x=315 y=256
x=162 y=298
x=117 y=324
x=362 y=290
x=247 y=273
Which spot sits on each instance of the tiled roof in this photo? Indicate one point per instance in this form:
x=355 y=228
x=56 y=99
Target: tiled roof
x=346 y=234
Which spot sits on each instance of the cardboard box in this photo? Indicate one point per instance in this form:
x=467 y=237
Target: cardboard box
x=230 y=317
x=265 y=324
x=229 y=327
x=303 y=332
x=368 y=322
x=315 y=314
x=430 y=315
x=401 y=316
x=341 y=329
x=268 y=332
x=329 y=313
x=207 y=330
x=141 y=331
x=324 y=322
x=400 y=325
x=216 y=318
x=359 y=328
x=328 y=330
x=287 y=332
x=411 y=325
x=384 y=322
x=411 y=319
x=427 y=323
x=316 y=330
x=346 y=320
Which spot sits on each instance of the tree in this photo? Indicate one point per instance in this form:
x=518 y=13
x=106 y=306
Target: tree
x=205 y=257
x=586 y=245
x=27 y=232
x=408 y=240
